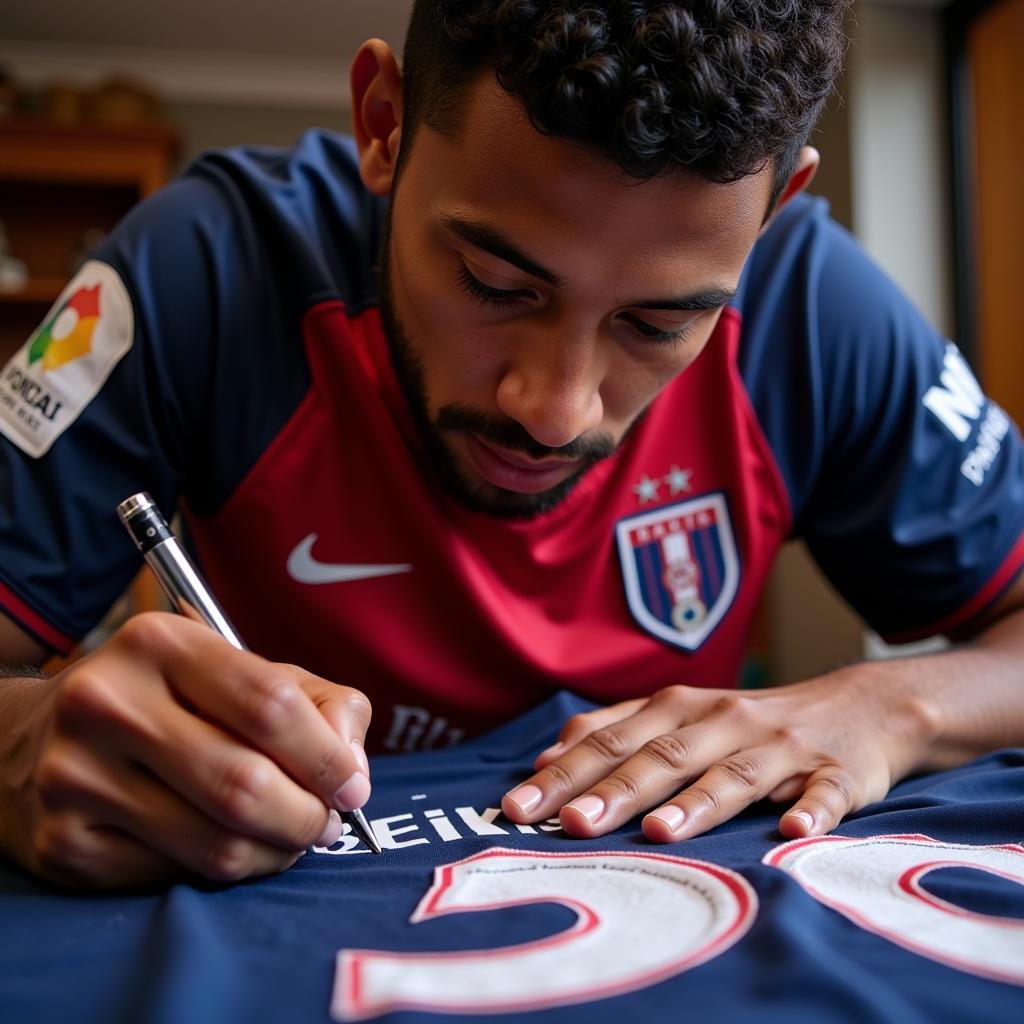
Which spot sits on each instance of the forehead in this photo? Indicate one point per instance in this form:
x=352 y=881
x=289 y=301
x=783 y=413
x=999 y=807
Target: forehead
x=569 y=200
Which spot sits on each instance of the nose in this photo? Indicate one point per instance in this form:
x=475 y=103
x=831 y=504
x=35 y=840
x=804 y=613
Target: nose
x=552 y=388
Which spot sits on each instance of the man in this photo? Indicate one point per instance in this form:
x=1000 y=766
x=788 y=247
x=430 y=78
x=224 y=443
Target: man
x=557 y=447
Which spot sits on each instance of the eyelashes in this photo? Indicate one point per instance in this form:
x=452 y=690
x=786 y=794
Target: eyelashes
x=504 y=300
x=655 y=334
x=497 y=298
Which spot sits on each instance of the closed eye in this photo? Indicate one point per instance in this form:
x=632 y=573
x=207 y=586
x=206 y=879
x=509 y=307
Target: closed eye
x=496 y=298
x=656 y=334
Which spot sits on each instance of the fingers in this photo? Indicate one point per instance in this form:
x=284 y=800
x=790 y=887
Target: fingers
x=75 y=855
x=109 y=823
x=579 y=726
x=266 y=706
x=726 y=788
x=619 y=770
x=709 y=755
x=165 y=823
x=790 y=788
x=229 y=765
x=345 y=710
x=831 y=793
x=239 y=788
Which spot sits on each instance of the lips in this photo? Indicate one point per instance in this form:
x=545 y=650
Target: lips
x=513 y=471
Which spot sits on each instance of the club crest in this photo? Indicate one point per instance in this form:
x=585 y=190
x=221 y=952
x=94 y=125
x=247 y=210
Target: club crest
x=680 y=568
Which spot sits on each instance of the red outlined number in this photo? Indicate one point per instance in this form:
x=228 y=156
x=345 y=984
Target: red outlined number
x=876 y=883
x=692 y=912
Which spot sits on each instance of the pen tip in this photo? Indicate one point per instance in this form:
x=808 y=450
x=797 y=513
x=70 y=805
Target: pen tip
x=364 y=830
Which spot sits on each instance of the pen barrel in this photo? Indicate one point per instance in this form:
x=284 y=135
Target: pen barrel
x=174 y=570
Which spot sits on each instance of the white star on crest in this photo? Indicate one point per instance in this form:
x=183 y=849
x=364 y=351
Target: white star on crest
x=647 y=489
x=678 y=479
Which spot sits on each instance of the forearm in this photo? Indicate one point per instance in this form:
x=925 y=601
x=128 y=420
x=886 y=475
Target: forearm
x=19 y=686
x=21 y=693
x=965 y=701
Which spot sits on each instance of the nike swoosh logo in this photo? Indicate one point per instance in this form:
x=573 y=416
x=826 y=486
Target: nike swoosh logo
x=304 y=568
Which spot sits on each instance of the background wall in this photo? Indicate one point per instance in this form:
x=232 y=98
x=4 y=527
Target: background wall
x=885 y=169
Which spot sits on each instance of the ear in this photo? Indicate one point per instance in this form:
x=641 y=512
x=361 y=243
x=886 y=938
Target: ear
x=377 y=114
x=803 y=173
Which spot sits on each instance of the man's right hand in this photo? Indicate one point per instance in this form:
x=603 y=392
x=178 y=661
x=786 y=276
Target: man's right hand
x=167 y=751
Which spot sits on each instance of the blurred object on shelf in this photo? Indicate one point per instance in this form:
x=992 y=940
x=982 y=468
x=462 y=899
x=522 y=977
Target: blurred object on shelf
x=8 y=94
x=84 y=248
x=65 y=102
x=13 y=272
x=59 y=183
x=116 y=101
x=125 y=101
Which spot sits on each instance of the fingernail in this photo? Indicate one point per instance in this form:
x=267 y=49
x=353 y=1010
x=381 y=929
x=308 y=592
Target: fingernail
x=525 y=797
x=354 y=793
x=360 y=755
x=590 y=806
x=804 y=818
x=671 y=816
x=332 y=830
x=553 y=751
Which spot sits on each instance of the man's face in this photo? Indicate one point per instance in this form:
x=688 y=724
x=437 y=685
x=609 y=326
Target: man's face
x=537 y=299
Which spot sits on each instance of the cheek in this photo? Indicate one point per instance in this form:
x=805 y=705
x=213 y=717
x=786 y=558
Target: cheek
x=440 y=325
x=635 y=379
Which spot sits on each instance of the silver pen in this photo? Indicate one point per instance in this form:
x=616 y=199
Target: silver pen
x=190 y=596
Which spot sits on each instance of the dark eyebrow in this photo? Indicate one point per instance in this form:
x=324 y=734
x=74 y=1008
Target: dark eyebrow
x=708 y=298
x=483 y=236
x=491 y=240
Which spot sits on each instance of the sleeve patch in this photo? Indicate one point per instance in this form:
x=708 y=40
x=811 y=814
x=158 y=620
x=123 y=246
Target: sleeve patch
x=63 y=365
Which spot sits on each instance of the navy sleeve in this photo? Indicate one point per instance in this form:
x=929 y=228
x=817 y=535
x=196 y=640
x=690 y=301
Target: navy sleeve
x=64 y=556
x=907 y=483
x=179 y=356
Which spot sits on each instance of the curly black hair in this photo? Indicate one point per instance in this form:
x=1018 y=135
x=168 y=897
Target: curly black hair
x=713 y=87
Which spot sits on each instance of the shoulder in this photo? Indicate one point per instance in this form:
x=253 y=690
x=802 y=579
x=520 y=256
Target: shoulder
x=807 y=273
x=822 y=325
x=299 y=219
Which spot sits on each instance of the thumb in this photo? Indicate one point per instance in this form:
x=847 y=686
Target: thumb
x=346 y=709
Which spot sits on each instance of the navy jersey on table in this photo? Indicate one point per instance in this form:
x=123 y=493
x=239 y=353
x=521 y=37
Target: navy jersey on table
x=912 y=911
x=224 y=351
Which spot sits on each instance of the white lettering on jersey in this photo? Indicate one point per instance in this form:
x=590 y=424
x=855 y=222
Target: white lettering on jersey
x=441 y=824
x=415 y=728
x=478 y=823
x=692 y=912
x=959 y=398
x=481 y=824
x=876 y=883
x=994 y=428
x=385 y=832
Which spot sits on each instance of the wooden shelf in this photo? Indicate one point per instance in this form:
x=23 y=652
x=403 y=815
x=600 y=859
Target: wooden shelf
x=37 y=290
x=59 y=184
x=37 y=150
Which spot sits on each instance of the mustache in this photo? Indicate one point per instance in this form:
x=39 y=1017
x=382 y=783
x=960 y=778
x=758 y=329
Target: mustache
x=508 y=434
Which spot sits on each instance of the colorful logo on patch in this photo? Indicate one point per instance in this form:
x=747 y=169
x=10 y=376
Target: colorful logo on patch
x=67 y=335
x=680 y=568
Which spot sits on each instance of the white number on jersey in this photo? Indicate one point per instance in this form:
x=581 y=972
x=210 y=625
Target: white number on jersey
x=640 y=918
x=876 y=883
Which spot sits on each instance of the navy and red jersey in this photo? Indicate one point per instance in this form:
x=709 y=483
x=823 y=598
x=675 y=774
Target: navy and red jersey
x=912 y=911
x=224 y=351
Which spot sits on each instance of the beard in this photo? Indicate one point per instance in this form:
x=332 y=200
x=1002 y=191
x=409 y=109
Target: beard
x=457 y=417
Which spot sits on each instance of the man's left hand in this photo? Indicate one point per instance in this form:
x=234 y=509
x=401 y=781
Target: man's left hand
x=696 y=757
